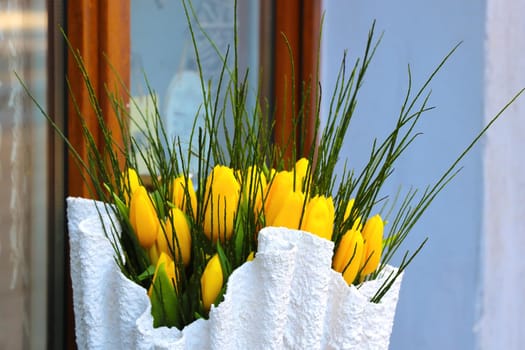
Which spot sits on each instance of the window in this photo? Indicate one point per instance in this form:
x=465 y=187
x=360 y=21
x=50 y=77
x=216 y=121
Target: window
x=102 y=28
x=23 y=169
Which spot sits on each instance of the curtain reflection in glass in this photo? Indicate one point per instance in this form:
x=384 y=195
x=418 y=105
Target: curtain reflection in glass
x=162 y=49
x=23 y=28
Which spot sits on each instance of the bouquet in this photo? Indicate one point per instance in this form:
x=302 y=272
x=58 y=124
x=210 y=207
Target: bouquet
x=186 y=226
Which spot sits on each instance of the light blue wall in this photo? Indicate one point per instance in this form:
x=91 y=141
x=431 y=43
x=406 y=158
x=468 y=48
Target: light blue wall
x=438 y=301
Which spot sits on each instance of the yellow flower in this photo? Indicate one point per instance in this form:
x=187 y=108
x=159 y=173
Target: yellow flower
x=279 y=188
x=271 y=175
x=211 y=281
x=348 y=210
x=181 y=242
x=253 y=187
x=179 y=195
x=143 y=217
x=153 y=253
x=301 y=168
x=319 y=217
x=290 y=214
x=222 y=198
x=166 y=266
x=131 y=182
x=163 y=293
x=251 y=256
x=373 y=244
x=347 y=258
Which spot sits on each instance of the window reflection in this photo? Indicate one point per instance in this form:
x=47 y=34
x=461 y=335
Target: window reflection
x=23 y=46
x=161 y=48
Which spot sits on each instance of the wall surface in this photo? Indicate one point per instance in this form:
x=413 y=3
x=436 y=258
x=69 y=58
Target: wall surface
x=438 y=306
x=503 y=302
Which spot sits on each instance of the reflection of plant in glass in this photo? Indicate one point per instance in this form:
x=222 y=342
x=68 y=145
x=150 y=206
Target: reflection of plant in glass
x=182 y=242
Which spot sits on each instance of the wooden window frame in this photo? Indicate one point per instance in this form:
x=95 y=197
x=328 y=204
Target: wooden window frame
x=100 y=31
x=296 y=30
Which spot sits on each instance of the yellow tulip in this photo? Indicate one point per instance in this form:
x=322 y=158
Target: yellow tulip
x=319 y=217
x=211 y=281
x=131 y=182
x=373 y=244
x=279 y=188
x=347 y=258
x=222 y=198
x=290 y=214
x=179 y=195
x=153 y=253
x=163 y=293
x=348 y=210
x=271 y=175
x=168 y=265
x=181 y=242
x=143 y=217
x=253 y=187
x=300 y=172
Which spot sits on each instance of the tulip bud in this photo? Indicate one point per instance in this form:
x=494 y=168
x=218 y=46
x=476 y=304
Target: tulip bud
x=163 y=295
x=130 y=183
x=277 y=190
x=347 y=258
x=143 y=217
x=290 y=214
x=253 y=187
x=164 y=266
x=373 y=244
x=180 y=244
x=271 y=174
x=179 y=194
x=153 y=253
x=300 y=172
x=211 y=281
x=222 y=198
x=319 y=217
x=348 y=211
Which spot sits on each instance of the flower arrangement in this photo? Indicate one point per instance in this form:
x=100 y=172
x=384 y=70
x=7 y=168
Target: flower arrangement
x=185 y=229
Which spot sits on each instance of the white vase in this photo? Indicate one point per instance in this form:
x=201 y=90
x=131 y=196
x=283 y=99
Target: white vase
x=288 y=297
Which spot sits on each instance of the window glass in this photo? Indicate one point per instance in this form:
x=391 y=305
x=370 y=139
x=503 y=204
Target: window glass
x=23 y=278
x=161 y=48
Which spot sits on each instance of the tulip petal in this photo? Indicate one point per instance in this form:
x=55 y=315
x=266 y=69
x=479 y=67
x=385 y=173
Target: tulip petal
x=319 y=217
x=278 y=189
x=162 y=293
x=347 y=258
x=291 y=211
x=373 y=244
x=180 y=194
x=222 y=196
x=211 y=281
x=143 y=217
x=175 y=237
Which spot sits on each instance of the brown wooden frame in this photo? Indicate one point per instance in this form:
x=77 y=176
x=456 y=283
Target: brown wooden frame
x=296 y=30
x=99 y=30
x=56 y=274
